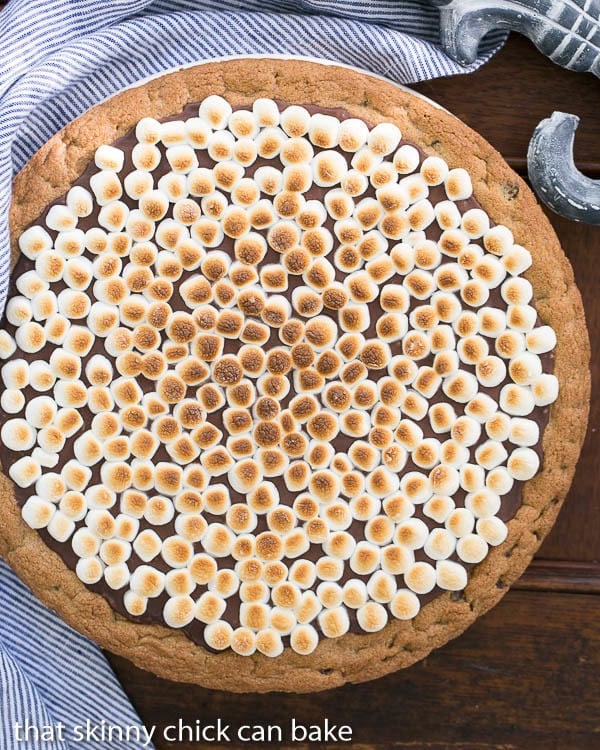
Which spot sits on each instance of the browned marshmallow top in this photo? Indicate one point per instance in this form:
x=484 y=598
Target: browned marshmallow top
x=271 y=374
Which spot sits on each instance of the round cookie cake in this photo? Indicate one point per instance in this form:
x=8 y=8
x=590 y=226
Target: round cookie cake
x=294 y=376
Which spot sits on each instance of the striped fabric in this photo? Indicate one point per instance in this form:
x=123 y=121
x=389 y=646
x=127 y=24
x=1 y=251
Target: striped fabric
x=59 y=57
x=51 y=675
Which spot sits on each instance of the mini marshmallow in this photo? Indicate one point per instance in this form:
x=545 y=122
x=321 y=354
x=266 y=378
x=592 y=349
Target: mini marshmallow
x=498 y=426
x=499 y=481
x=492 y=530
x=30 y=337
x=25 y=472
x=439 y=508
x=517 y=400
x=323 y=130
x=37 y=512
x=440 y=544
x=19 y=434
x=372 y=617
x=521 y=317
x=49 y=266
x=19 y=310
x=12 y=401
x=89 y=570
x=266 y=112
x=510 y=344
x=545 y=389
x=540 y=340
x=328 y=167
x=216 y=111
x=525 y=369
x=523 y=464
x=269 y=142
x=384 y=174
x=295 y=121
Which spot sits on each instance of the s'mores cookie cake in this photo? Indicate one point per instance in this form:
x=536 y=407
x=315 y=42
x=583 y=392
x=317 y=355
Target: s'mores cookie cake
x=294 y=376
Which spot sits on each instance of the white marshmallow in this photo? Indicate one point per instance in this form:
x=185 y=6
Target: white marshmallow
x=523 y=464
x=490 y=454
x=421 y=578
x=19 y=310
x=25 y=472
x=216 y=111
x=483 y=503
x=517 y=400
x=451 y=576
x=499 y=481
x=30 y=337
x=492 y=530
x=12 y=401
x=89 y=569
x=109 y=157
x=37 y=512
x=18 y=435
x=472 y=548
x=540 y=340
x=516 y=260
x=458 y=184
x=545 y=389
x=329 y=167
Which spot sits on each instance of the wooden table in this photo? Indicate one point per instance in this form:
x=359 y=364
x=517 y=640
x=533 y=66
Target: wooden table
x=526 y=675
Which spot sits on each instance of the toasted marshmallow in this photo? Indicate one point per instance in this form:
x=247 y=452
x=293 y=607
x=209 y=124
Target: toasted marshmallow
x=216 y=111
x=545 y=389
x=38 y=512
x=18 y=434
x=19 y=310
x=499 y=481
x=347 y=258
x=176 y=551
x=490 y=271
x=510 y=344
x=523 y=464
x=89 y=570
x=472 y=477
x=50 y=266
x=295 y=121
x=540 y=340
x=147 y=581
x=439 y=508
x=348 y=231
x=492 y=530
x=269 y=142
x=471 y=549
x=12 y=401
x=266 y=112
x=517 y=400
x=209 y=607
x=525 y=369
x=372 y=617
x=329 y=167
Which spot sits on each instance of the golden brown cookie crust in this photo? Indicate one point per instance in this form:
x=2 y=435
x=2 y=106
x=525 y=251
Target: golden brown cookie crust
x=506 y=199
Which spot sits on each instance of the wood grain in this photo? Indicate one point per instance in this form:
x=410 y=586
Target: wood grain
x=505 y=99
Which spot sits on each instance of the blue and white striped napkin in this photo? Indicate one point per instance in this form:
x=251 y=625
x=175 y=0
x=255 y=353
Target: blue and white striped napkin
x=58 y=58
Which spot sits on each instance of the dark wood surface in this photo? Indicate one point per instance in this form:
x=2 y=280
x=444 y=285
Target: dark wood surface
x=526 y=676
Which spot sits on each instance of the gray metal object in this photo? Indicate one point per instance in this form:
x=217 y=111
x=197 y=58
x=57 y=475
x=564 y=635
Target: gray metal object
x=566 y=31
x=553 y=174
